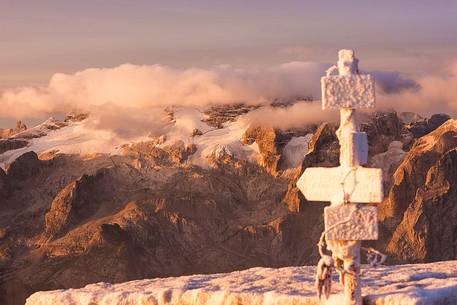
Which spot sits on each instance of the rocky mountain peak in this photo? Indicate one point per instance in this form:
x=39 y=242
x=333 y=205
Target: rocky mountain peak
x=423 y=180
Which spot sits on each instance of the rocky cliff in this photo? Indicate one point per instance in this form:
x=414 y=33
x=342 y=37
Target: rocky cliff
x=421 y=207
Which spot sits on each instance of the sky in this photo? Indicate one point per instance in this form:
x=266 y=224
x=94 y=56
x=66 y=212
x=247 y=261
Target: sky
x=42 y=37
x=39 y=38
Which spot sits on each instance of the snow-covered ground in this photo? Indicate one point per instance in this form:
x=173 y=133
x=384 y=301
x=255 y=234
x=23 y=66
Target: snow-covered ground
x=419 y=284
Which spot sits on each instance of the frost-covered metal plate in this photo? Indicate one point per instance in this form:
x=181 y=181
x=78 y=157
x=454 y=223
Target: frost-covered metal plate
x=351 y=222
x=348 y=91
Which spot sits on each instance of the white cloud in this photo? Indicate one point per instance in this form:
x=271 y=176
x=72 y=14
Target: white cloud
x=130 y=97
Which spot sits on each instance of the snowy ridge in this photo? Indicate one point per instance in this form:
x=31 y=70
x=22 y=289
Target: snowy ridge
x=74 y=138
x=212 y=138
x=83 y=137
x=418 y=284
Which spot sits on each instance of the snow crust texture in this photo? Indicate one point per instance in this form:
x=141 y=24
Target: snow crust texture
x=419 y=284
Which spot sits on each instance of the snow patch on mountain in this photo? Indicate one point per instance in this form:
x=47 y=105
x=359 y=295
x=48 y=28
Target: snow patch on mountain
x=84 y=138
x=76 y=138
x=295 y=150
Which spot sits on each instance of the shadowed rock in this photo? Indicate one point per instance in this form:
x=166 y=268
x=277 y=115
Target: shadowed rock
x=422 y=189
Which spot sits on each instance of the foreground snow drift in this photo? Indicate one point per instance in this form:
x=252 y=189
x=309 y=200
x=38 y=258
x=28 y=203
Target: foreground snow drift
x=429 y=284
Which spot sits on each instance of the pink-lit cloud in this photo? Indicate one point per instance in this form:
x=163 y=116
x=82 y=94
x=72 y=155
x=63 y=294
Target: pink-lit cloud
x=133 y=96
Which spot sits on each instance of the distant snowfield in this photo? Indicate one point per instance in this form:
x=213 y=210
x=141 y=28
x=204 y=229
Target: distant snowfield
x=76 y=138
x=83 y=138
x=419 y=284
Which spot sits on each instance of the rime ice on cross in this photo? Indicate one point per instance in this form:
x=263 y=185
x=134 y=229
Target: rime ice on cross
x=347 y=220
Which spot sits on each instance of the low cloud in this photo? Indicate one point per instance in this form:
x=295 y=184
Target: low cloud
x=394 y=82
x=130 y=98
x=296 y=115
x=433 y=94
x=137 y=87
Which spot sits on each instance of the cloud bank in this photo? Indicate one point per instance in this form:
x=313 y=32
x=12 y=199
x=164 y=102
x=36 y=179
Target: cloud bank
x=131 y=98
x=138 y=87
x=433 y=94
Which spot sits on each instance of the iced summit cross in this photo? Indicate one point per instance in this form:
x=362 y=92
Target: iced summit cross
x=349 y=89
x=347 y=220
x=350 y=182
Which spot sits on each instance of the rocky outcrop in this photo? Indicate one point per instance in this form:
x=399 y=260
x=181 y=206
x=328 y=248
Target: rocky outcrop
x=428 y=230
x=422 y=188
x=9 y=132
x=41 y=130
x=382 y=128
x=269 y=146
x=10 y=144
x=271 y=143
x=220 y=114
x=25 y=166
x=409 y=117
x=76 y=202
x=76 y=117
x=161 y=155
x=180 y=152
x=422 y=127
x=323 y=148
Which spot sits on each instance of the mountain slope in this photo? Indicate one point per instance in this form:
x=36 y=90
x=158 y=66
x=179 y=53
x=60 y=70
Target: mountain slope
x=192 y=201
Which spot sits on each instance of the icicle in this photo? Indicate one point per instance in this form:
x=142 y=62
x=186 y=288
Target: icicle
x=324 y=276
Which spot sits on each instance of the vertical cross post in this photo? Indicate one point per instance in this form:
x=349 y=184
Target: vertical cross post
x=347 y=221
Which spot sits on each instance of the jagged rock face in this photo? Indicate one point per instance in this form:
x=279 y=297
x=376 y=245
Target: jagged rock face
x=428 y=230
x=76 y=117
x=422 y=127
x=10 y=144
x=9 y=132
x=220 y=114
x=271 y=143
x=6 y=133
x=409 y=117
x=41 y=130
x=422 y=195
x=76 y=202
x=27 y=165
x=323 y=148
x=165 y=155
x=269 y=146
x=120 y=222
x=382 y=129
x=411 y=173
